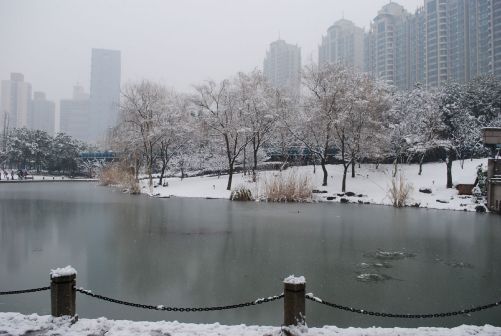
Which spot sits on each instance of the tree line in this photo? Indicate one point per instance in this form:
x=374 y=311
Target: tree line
x=23 y=148
x=341 y=116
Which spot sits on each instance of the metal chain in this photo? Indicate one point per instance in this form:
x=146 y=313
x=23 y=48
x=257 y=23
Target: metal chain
x=405 y=316
x=41 y=289
x=180 y=309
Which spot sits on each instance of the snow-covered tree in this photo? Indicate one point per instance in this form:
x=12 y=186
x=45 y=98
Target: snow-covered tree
x=142 y=111
x=222 y=114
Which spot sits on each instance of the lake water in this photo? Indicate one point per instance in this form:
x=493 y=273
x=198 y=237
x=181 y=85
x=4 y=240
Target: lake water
x=197 y=252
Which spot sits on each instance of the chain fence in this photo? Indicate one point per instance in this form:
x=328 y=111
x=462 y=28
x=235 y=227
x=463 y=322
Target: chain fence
x=181 y=309
x=311 y=297
x=260 y=301
x=32 y=290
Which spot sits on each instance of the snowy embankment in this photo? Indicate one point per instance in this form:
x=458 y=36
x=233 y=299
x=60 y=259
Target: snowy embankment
x=371 y=182
x=14 y=324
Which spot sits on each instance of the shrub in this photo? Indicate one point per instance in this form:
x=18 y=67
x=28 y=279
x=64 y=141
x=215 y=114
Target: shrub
x=241 y=193
x=288 y=187
x=117 y=175
x=399 y=191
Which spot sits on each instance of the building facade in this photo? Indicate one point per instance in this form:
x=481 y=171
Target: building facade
x=43 y=113
x=104 y=92
x=344 y=43
x=445 y=40
x=15 y=102
x=282 y=66
x=75 y=115
x=384 y=43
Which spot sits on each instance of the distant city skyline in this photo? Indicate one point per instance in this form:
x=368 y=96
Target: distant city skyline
x=177 y=43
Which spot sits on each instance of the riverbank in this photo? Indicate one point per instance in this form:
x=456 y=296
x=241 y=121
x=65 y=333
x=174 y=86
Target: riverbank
x=49 y=179
x=371 y=184
x=15 y=324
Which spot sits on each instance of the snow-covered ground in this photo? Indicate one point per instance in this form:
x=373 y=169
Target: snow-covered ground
x=372 y=183
x=15 y=324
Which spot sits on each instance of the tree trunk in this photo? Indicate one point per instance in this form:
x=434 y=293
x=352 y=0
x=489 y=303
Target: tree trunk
x=421 y=160
x=345 y=172
x=230 y=176
x=353 y=168
x=449 y=171
x=254 y=166
x=322 y=162
x=395 y=165
x=164 y=166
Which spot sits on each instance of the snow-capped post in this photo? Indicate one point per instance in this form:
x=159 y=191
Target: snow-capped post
x=62 y=291
x=294 y=301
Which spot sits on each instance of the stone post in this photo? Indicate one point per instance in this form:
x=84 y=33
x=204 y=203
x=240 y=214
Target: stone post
x=62 y=291
x=294 y=301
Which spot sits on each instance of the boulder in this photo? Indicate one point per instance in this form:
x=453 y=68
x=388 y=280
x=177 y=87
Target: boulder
x=350 y=194
x=416 y=205
x=315 y=191
x=480 y=209
x=360 y=202
x=442 y=201
x=360 y=195
x=331 y=198
x=340 y=194
x=344 y=200
x=425 y=190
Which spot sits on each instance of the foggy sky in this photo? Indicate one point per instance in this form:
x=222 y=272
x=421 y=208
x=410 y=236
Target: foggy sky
x=178 y=43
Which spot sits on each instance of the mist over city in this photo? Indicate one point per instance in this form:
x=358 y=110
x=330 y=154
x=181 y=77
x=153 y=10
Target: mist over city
x=238 y=167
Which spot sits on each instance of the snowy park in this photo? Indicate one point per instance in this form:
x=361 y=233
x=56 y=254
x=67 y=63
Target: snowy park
x=370 y=186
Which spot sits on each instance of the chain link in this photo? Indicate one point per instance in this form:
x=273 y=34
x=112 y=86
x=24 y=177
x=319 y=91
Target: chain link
x=404 y=316
x=41 y=289
x=180 y=309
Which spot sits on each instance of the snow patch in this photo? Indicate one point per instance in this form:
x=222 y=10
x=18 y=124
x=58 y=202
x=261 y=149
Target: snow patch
x=15 y=324
x=293 y=280
x=64 y=271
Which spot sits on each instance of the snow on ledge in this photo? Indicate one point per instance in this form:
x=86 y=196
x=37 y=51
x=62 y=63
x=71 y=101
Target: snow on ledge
x=293 y=280
x=64 y=271
x=16 y=324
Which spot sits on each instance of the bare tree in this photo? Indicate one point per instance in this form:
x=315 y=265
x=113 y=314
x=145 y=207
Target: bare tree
x=222 y=115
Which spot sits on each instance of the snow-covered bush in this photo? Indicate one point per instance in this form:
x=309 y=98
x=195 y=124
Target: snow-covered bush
x=399 y=191
x=480 y=189
x=241 y=193
x=288 y=187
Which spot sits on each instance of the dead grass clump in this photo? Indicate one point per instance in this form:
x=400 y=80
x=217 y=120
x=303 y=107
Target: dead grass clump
x=288 y=187
x=399 y=191
x=117 y=175
x=241 y=193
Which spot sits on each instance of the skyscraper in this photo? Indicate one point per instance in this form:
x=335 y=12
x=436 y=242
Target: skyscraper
x=343 y=43
x=282 y=66
x=104 y=92
x=42 y=113
x=15 y=107
x=384 y=51
x=75 y=115
x=445 y=40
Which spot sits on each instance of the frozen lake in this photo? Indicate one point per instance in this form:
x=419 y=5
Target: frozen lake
x=197 y=252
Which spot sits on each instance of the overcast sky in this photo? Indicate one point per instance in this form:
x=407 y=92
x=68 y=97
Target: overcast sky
x=179 y=43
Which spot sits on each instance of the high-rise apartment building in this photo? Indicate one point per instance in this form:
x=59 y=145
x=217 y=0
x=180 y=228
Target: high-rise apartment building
x=383 y=49
x=344 y=43
x=42 y=113
x=495 y=37
x=75 y=115
x=445 y=40
x=282 y=66
x=436 y=42
x=104 y=91
x=15 y=102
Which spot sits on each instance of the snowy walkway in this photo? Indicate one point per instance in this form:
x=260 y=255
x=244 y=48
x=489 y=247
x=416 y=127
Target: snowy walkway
x=14 y=324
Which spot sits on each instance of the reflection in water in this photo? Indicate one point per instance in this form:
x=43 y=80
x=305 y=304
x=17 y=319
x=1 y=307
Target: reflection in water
x=196 y=252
